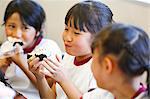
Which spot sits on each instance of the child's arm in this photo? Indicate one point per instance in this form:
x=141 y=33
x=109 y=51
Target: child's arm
x=4 y=63
x=45 y=91
x=21 y=61
x=71 y=91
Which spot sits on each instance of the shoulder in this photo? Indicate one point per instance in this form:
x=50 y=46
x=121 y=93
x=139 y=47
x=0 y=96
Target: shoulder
x=143 y=95
x=68 y=58
x=47 y=42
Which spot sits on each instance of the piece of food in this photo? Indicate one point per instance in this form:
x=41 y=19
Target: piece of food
x=9 y=46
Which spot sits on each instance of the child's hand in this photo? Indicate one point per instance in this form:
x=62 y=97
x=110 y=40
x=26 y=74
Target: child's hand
x=19 y=58
x=35 y=66
x=55 y=68
x=4 y=63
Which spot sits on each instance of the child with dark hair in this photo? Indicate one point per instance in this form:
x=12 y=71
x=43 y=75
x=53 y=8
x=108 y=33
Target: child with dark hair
x=73 y=75
x=121 y=53
x=23 y=20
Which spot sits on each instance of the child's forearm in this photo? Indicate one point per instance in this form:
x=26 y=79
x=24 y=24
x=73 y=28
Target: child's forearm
x=71 y=91
x=21 y=62
x=41 y=84
x=29 y=74
x=45 y=91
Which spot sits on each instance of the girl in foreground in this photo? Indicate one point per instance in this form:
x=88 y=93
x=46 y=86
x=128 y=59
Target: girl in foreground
x=121 y=53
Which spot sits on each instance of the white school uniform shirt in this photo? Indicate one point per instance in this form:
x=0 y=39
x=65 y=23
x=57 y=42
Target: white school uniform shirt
x=81 y=76
x=19 y=81
x=98 y=93
x=6 y=92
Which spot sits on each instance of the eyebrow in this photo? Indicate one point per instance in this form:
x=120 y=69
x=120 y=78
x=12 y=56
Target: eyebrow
x=10 y=23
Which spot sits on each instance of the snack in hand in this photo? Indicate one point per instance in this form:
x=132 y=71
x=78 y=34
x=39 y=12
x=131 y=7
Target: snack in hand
x=41 y=53
x=9 y=46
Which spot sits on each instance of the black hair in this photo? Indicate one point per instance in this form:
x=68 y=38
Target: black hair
x=130 y=44
x=30 y=12
x=90 y=14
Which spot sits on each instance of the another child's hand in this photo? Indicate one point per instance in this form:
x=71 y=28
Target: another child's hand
x=56 y=70
x=35 y=66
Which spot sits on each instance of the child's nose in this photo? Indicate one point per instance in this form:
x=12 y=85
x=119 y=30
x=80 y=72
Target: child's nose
x=17 y=34
x=68 y=37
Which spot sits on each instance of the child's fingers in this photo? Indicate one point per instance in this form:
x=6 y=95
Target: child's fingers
x=47 y=74
x=35 y=67
x=32 y=58
x=18 y=49
x=59 y=58
x=49 y=66
x=56 y=63
x=32 y=62
x=40 y=68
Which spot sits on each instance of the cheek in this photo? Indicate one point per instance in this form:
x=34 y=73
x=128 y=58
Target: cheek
x=28 y=37
x=97 y=73
x=94 y=70
x=8 y=32
x=83 y=44
x=64 y=36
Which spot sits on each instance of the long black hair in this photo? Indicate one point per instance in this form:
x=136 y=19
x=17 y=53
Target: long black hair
x=130 y=44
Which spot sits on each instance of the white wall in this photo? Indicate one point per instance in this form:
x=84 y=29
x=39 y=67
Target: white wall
x=131 y=11
x=149 y=22
x=56 y=11
x=127 y=11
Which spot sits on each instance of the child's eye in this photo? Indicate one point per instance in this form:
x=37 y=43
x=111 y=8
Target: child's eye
x=25 y=28
x=76 y=33
x=66 y=29
x=11 y=26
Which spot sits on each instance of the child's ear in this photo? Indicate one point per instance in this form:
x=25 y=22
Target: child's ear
x=37 y=34
x=108 y=64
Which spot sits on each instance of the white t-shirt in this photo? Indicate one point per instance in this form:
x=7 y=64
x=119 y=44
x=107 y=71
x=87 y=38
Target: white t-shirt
x=19 y=81
x=81 y=76
x=98 y=94
x=6 y=92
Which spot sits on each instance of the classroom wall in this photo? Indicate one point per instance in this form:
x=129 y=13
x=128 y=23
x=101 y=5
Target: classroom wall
x=127 y=11
x=131 y=12
x=149 y=22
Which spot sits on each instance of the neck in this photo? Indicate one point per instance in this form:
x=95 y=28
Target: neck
x=80 y=58
x=34 y=44
x=123 y=90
